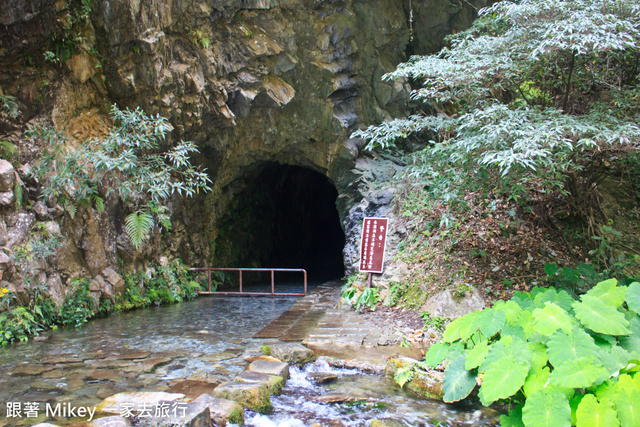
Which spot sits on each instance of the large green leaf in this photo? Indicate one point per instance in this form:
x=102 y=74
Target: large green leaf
x=510 y=309
x=633 y=297
x=609 y=292
x=477 y=355
x=631 y=343
x=458 y=382
x=436 y=354
x=546 y=409
x=581 y=372
x=513 y=419
x=549 y=319
x=614 y=359
x=592 y=413
x=138 y=227
x=538 y=354
x=506 y=347
x=628 y=407
x=562 y=347
x=562 y=299
x=490 y=322
x=503 y=379
x=461 y=328
x=536 y=380
x=601 y=317
x=525 y=321
x=514 y=331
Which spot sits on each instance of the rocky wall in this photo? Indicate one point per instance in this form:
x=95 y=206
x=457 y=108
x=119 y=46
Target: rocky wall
x=251 y=81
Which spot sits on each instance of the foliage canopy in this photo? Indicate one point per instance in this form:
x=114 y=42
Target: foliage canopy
x=535 y=88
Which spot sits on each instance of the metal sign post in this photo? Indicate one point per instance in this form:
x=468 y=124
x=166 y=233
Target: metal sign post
x=373 y=244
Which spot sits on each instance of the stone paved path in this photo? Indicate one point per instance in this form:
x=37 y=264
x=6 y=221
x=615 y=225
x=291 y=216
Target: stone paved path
x=319 y=323
x=296 y=323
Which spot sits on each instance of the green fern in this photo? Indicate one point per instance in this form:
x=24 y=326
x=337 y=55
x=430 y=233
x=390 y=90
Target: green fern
x=138 y=227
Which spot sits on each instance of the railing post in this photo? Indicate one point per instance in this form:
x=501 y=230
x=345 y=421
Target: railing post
x=273 y=285
x=240 y=271
x=209 y=271
x=305 y=281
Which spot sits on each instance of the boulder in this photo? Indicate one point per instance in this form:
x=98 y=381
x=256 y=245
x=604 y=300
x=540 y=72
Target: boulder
x=5 y=262
x=293 y=353
x=464 y=300
x=268 y=367
x=427 y=384
x=7 y=198
x=113 y=278
x=42 y=213
x=274 y=383
x=223 y=411
x=18 y=227
x=252 y=396
x=7 y=176
x=55 y=289
x=398 y=362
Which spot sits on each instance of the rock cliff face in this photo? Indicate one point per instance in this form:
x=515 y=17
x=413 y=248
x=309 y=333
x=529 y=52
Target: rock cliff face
x=253 y=82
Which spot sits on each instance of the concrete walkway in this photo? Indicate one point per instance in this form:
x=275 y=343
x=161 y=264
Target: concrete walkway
x=340 y=332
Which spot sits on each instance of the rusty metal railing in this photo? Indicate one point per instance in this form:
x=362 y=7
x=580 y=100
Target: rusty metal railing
x=241 y=292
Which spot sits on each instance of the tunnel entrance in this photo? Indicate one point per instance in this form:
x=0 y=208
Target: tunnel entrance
x=285 y=217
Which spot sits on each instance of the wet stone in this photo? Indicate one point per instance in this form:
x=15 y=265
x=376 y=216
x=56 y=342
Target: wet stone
x=218 y=357
x=132 y=356
x=151 y=365
x=56 y=373
x=103 y=375
x=116 y=421
x=62 y=359
x=223 y=411
x=387 y=422
x=107 y=390
x=292 y=353
x=31 y=370
x=252 y=396
x=192 y=389
x=268 y=367
x=322 y=377
x=341 y=398
x=273 y=382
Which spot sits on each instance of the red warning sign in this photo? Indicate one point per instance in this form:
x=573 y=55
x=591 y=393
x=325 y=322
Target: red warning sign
x=374 y=239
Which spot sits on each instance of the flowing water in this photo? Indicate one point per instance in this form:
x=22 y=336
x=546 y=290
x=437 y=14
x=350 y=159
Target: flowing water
x=206 y=340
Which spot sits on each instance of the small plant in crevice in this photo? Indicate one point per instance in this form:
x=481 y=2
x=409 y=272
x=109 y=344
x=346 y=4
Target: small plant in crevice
x=555 y=360
x=78 y=306
x=433 y=322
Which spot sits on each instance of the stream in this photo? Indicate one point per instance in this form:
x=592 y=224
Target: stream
x=207 y=339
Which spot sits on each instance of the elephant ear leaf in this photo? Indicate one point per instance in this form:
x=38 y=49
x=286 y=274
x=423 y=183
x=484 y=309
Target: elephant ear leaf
x=591 y=413
x=600 y=317
x=547 y=409
x=503 y=379
x=458 y=382
x=633 y=297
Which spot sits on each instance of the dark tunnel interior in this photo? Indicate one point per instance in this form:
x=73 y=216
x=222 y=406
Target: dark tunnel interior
x=285 y=217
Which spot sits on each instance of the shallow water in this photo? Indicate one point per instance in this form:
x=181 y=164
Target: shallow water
x=372 y=397
x=208 y=340
x=117 y=353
